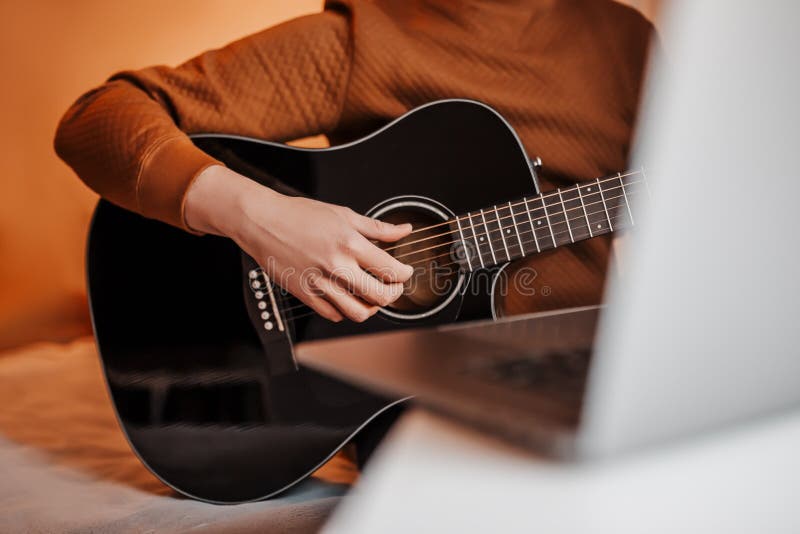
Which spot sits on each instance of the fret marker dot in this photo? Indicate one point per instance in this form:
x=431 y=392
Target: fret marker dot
x=539 y=223
x=599 y=225
x=588 y=189
x=481 y=239
x=508 y=231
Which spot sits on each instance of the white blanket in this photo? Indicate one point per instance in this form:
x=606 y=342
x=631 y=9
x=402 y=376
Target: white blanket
x=65 y=466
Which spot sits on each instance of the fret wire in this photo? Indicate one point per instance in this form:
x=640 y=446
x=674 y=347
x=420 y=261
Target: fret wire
x=516 y=228
x=603 y=198
x=475 y=238
x=464 y=243
x=599 y=212
x=524 y=201
x=566 y=217
x=529 y=211
x=574 y=204
x=594 y=199
x=488 y=238
x=549 y=226
x=605 y=179
x=623 y=226
x=502 y=234
x=585 y=215
x=625 y=196
x=533 y=228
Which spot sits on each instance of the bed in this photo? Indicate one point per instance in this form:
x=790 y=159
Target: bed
x=66 y=467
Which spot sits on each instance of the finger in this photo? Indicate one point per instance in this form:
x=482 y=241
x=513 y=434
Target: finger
x=367 y=286
x=382 y=231
x=352 y=307
x=325 y=309
x=316 y=303
x=381 y=264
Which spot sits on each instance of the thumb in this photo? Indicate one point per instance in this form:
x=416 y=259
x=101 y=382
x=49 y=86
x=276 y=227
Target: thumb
x=382 y=231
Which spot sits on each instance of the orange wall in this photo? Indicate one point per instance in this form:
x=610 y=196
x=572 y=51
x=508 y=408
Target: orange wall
x=52 y=51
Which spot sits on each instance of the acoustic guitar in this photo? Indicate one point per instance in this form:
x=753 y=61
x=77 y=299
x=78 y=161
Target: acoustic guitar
x=197 y=341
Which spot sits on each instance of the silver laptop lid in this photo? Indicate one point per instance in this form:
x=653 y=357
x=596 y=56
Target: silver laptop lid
x=702 y=328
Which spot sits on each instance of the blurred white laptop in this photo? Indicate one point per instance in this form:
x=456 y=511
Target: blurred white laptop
x=700 y=330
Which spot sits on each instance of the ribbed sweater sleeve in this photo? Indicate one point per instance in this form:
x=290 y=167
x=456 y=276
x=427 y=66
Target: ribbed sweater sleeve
x=127 y=139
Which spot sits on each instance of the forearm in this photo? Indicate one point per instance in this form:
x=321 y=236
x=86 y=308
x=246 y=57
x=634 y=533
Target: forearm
x=216 y=202
x=127 y=139
x=126 y=148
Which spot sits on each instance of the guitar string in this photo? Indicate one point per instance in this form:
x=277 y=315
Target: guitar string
x=500 y=228
x=543 y=196
x=534 y=230
x=512 y=215
x=527 y=242
x=293 y=318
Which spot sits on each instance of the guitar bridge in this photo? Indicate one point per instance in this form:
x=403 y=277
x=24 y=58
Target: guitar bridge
x=264 y=308
x=264 y=292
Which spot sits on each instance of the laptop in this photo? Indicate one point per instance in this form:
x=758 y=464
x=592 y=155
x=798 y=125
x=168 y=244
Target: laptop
x=701 y=326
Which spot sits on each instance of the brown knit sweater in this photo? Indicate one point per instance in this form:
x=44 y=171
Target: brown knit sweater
x=565 y=73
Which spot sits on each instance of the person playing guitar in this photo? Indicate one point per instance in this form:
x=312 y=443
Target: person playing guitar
x=565 y=73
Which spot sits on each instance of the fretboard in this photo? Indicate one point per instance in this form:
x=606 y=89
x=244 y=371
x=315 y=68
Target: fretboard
x=527 y=226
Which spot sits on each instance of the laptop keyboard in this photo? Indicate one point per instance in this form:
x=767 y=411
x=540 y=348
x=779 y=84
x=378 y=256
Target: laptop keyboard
x=560 y=372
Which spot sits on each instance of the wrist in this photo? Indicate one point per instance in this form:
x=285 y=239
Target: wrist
x=216 y=200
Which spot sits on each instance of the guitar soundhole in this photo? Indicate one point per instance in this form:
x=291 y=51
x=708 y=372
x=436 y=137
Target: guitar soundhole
x=429 y=249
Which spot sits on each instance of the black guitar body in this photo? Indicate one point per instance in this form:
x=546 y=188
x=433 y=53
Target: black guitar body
x=200 y=369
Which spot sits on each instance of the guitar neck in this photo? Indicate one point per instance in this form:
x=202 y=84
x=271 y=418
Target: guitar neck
x=527 y=226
